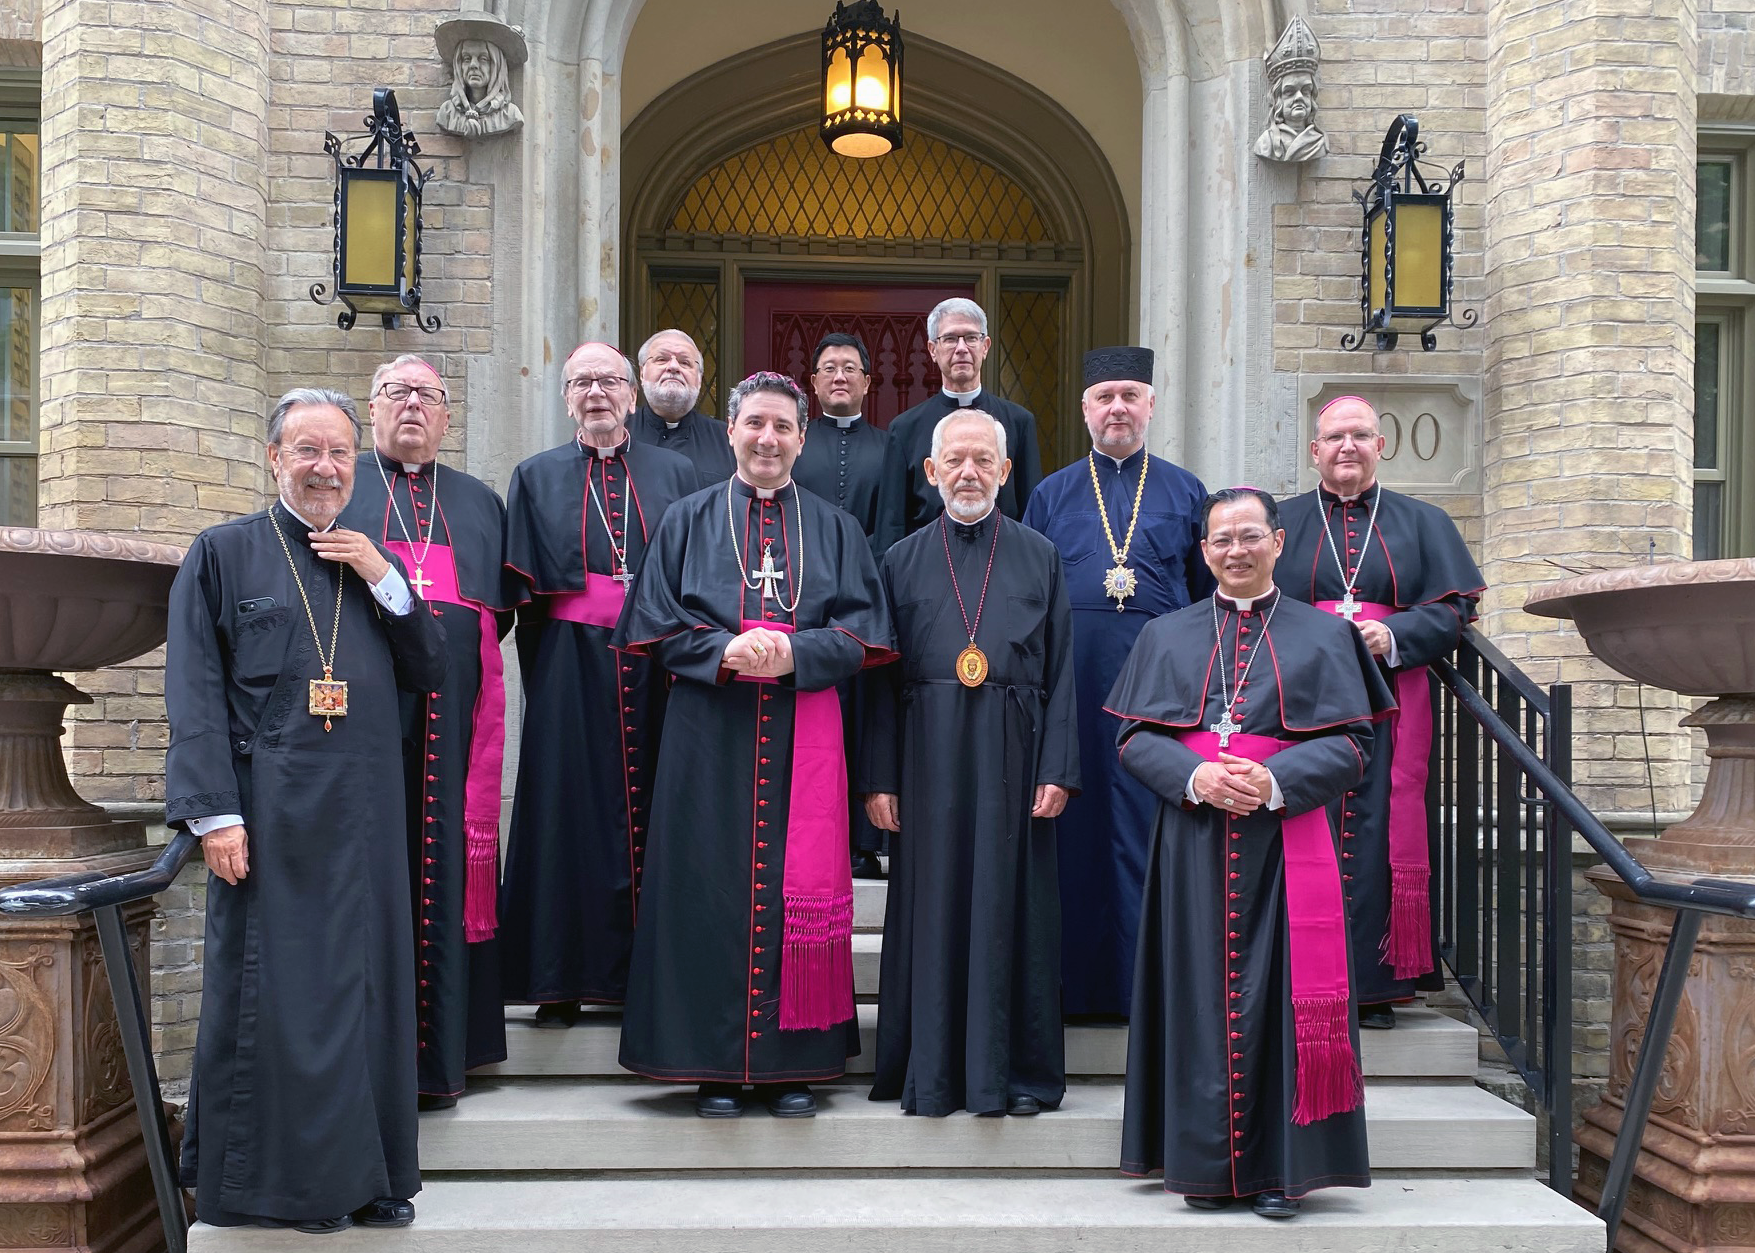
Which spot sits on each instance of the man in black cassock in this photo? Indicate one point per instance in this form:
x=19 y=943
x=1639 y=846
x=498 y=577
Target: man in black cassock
x=287 y=640
x=844 y=464
x=578 y=520
x=973 y=752
x=670 y=382
x=757 y=597
x=956 y=332
x=1398 y=569
x=449 y=530
x=1127 y=526
x=1243 y=1076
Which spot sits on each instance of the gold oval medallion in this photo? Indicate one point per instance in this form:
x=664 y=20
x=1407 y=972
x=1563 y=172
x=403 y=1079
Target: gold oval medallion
x=972 y=667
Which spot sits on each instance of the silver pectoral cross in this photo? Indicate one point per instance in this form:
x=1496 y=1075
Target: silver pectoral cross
x=1224 y=728
x=1348 y=608
x=624 y=576
x=420 y=583
x=768 y=576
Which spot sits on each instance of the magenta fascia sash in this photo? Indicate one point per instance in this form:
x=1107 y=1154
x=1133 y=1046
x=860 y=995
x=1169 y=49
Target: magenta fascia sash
x=599 y=605
x=1329 y=1080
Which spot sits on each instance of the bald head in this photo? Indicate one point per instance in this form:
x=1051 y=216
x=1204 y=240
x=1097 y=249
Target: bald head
x=1347 y=445
x=598 y=383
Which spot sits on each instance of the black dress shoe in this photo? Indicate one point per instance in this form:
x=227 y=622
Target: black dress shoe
x=1022 y=1105
x=557 y=1014
x=1377 y=1017
x=786 y=1100
x=719 y=1100
x=1275 y=1205
x=1209 y=1202
x=310 y=1226
x=867 y=866
x=386 y=1211
x=433 y=1100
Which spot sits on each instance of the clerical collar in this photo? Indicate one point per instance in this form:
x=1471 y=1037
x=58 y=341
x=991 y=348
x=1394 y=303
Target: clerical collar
x=846 y=424
x=761 y=493
x=407 y=467
x=1245 y=603
x=671 y=426
x=302 y=520
x=1373 y=486
x=603 y=453
x=963 y=399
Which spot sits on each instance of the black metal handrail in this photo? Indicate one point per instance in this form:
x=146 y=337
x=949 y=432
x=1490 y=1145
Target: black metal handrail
x=1505 y=810
x=105 y=897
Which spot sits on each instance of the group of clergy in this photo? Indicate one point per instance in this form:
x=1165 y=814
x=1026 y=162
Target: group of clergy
x=755 y=653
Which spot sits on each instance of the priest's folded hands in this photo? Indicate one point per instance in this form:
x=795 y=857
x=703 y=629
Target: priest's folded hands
x=760 y=653
x=1232 y=783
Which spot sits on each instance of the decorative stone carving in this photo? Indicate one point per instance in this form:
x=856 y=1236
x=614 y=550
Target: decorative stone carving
x=482 y=52
x=1431 y=424
x=1292 y=64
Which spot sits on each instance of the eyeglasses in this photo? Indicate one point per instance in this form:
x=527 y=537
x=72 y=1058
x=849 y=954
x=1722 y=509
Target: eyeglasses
x=607 y=383
x=660 y=357
x=1225 y=541
x=971 y=338
x=310 y=453
x=399 y=392
x=839 y=371
x=1336 y=438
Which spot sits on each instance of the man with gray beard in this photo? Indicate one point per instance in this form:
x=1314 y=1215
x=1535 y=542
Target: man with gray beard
x=670 y=385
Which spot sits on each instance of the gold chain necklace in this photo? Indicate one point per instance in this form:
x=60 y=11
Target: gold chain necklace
x=1120 y=582
x=328 y=694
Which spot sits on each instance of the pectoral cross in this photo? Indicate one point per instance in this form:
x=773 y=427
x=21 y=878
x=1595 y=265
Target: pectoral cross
x=420 y=583
x=1224 y=728
x=1348 y=608
x=624 y=576
x=768 y=576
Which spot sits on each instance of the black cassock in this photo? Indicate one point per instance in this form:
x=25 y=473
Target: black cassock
x=459 y=1012
x=1211 y=1063
x=1416 y=563
x=302 y=1101
x=592 y=719
x=704 y=992
x=969 y=1005
x=910 y=502
x=703 y=440
x=843 y=462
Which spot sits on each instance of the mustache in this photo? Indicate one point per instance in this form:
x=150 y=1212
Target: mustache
x=322 y=480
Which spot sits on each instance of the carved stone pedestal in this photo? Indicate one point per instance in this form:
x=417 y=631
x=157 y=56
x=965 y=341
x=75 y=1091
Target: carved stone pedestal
x=1694 y=1186
x=73 y=1171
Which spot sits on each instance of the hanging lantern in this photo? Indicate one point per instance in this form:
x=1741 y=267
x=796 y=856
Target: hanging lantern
x=377 y=221
x=1406 y=245
x=862 y=80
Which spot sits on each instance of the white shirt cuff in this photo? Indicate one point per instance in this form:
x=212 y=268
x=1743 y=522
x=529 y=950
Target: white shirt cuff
x=1394 y=655
x=202 y=826
x=392 y=592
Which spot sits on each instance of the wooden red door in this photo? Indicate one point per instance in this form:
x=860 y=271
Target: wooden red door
x=783 y=321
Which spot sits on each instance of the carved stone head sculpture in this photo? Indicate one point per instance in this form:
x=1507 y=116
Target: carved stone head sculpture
x=1291 y=133
x=482 y=52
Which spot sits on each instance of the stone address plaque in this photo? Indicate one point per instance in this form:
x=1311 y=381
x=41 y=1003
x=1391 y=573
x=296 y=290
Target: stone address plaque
x=1431 y=429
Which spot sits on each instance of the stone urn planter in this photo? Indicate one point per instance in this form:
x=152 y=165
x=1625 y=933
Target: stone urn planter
x=1688 y=627
x=73 y=1171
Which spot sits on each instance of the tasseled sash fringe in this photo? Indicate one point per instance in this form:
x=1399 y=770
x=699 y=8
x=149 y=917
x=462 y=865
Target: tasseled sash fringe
x=816 y=963
x=482 y=884
x=1407 y=945
x=1329 y=1078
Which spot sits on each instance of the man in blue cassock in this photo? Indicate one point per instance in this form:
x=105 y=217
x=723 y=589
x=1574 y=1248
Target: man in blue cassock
x=1127 y=525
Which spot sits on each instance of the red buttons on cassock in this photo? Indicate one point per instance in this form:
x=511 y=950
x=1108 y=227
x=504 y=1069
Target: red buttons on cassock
x=1233 y=935
x=761 y=887
x=755 y=1035
x=761 y=865
x=1235 y=875
x=1237 y=1035
x=763 y=782
x=1235 y=1015
x=1234 y=958
x=1235 y=855
x=755 y=1013
x=1235 y=896
x=1236 y=1135
x=761 y=843
x=759 y=909
x=761 y=928
x=1236 y=1057
x=430 y=818
x=761 y=802
x=432 y=757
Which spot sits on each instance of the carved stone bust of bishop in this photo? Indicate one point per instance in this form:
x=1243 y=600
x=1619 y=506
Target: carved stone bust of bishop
x=482 y=52
x=1291 y=133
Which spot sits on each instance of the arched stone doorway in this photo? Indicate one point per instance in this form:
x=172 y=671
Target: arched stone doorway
x=996 y=191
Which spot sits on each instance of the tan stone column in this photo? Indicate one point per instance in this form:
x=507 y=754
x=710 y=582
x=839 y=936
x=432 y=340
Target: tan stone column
x=1589 y=323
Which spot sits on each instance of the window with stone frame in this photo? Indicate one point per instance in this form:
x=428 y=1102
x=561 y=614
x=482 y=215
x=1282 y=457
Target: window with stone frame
x=20 y=295
x=1724 y=357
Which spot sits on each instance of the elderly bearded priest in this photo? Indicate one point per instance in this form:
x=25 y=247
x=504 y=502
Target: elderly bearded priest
x=288 y=639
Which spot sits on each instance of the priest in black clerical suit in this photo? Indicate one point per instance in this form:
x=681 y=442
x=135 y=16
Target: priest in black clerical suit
x=448 y=528
x=973 y=752
x=843 y=462
x=288 y=642
x=1404 y=565
x=758 y=598
x=1247 y=713
x=578 y=521
x=957 y=338
x=670 y=383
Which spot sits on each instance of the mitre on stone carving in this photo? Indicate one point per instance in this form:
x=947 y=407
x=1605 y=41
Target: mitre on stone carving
x=1291 y=133
x=482 y=52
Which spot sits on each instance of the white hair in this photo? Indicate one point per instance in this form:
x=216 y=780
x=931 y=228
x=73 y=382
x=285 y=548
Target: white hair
x=956 y=306
x=646 y=347
x=407 y=358
x=938 y=432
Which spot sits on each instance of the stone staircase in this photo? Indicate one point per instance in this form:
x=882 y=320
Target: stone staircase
x=559 y=1149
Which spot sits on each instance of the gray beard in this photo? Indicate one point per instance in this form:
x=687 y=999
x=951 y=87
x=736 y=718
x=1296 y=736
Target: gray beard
x=966 y=511
x=670 y=398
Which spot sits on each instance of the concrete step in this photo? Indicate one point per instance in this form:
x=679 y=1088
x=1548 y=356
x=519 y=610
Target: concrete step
x=1425 y=1044
x=870 y=898
x=532 y=1124
x=939 y=1215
